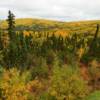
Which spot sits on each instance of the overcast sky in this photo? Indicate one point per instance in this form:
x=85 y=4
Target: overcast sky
x=65 y=10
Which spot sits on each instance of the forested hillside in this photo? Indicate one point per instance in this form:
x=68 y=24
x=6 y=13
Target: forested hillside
x=49 y=60
x=49 y=25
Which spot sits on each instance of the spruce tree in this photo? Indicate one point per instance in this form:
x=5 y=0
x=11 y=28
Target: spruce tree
x=12 y=48
x=92 y=47
x=11 y=25
x=1 y=42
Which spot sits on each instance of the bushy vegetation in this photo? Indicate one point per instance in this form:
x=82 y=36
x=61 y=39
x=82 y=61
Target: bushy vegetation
x=67 y=84
x=46 y=65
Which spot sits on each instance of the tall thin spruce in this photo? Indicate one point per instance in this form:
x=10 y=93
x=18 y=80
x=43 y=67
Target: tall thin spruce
x=94 y=40
x=11 y=25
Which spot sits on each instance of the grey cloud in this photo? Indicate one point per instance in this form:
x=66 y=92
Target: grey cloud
x=67 y=10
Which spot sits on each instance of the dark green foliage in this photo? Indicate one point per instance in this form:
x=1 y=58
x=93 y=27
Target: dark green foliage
x=1 y=42
x=11 y=25
x=93 y=44
x=93 y=48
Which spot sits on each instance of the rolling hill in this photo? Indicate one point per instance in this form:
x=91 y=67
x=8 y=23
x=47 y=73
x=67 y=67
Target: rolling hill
x=49 y=25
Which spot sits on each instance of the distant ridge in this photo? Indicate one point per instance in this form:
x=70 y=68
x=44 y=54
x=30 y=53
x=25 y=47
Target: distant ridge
x=44 y=24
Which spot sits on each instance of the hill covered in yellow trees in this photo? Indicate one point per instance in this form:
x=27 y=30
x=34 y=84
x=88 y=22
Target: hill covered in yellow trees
x=49 y=25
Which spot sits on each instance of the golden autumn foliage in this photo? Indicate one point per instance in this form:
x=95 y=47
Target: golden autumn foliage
x=26 y=33
x=80 y=52
x=64 y=83
x=35 y=87
x=16 y=86
x=62 y=33
x=69 y=27
x=13 y=85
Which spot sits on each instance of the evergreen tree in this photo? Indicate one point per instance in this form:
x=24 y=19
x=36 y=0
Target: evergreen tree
x=11 y=53
x=11 y=25
x=1 y=42
x=93 y=45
